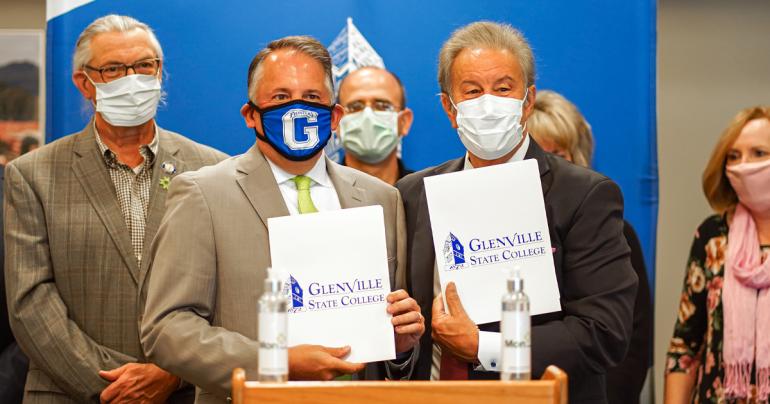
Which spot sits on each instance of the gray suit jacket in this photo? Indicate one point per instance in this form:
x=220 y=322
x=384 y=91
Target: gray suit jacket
x=210 y=259
x=70 y=271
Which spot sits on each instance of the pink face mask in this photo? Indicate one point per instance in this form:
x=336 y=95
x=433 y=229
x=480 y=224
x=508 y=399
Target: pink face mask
x=751 y=181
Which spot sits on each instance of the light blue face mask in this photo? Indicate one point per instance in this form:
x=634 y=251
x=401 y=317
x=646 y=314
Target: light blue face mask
x=370 y=136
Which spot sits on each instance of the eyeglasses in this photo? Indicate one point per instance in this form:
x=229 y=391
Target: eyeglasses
x=378 y=105
x=116 y=71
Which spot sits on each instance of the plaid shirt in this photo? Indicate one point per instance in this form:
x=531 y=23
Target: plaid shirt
x=132 y=186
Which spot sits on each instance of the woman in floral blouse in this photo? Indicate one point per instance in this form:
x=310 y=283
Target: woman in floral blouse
x=720 y=351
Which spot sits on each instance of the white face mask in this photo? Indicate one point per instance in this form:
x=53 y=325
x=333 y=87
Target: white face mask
x=370 y=135
x=128 y=101
x=490 y=126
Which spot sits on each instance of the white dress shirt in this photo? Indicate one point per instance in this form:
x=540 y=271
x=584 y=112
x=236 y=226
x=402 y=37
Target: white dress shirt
x=489 y=342
x=322 y=190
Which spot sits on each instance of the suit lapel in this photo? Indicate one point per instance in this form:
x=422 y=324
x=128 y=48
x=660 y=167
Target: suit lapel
x=91 y=172
x=423 y=236
x=423 y=226
x=167 y=153
x=349 y=194
x=535 y=152
x=257 y=182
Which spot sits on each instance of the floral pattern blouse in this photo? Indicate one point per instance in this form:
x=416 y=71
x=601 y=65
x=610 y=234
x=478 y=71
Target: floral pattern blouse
x=697 y=342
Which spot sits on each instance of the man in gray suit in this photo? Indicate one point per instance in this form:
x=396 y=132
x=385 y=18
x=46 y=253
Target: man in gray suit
x=78 y=215
x=211 y=252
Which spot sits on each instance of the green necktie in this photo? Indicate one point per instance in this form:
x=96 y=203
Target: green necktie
x=304 y=202
x=305 y=205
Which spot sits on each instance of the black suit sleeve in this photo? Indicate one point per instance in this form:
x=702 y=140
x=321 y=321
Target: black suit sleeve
x=598 y=291
x=625 y=381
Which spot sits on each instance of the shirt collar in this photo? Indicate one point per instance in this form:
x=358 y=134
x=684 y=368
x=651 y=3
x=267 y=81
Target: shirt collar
x=318 y=173
x=149 y=151
x=518 y=156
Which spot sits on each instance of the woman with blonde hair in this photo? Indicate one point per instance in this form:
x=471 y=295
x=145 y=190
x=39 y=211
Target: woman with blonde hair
x=720 y=350
x=559 y=128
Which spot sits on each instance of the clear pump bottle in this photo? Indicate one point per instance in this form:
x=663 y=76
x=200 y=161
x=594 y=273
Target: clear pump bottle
x=273 y=330
x=515 y=327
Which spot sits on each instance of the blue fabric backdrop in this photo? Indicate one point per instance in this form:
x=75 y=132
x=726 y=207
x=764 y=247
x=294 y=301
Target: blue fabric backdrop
x=600 y=54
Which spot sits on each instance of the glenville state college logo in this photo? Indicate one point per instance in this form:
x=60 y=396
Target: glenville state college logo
x=296 y=294
x=333 y=295
x=486 y=251
x=454 y=253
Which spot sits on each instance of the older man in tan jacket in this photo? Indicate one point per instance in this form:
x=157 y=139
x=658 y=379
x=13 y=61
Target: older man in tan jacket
x=79 y=215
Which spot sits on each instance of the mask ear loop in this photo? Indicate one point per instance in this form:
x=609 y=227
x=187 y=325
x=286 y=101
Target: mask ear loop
x=452 y=102
x=259 y=111
x=159 y=77
x=526 y=100
x=256 y=108
x=93 y=83
x=89 y=78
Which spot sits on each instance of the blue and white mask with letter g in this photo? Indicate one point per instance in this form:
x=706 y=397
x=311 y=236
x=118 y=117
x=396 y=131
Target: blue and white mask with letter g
x=297 y=129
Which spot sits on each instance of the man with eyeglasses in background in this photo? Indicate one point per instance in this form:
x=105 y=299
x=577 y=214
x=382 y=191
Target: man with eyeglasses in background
x=79 y=215
x=376 y=118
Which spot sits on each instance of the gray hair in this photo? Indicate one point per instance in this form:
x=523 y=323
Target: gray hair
x=485 y=34
x=305 y=44
x=109 y=23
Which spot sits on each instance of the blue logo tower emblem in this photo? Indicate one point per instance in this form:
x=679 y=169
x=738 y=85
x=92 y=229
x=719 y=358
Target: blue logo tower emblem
x=296 y=293
x=454 y=252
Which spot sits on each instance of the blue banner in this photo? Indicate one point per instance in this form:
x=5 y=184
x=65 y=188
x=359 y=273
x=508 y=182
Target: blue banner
x=600 y=54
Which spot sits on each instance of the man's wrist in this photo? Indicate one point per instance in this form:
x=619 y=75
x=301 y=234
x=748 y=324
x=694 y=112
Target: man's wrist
x=488 y=357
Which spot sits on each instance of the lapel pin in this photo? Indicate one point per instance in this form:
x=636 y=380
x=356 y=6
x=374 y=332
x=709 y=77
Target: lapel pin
x=164 y=182
x=168 y=167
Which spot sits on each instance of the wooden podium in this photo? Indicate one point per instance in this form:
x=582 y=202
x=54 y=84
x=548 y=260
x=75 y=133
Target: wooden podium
x=551 y=389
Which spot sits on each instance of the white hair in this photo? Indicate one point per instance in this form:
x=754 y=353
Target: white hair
x=109 y=23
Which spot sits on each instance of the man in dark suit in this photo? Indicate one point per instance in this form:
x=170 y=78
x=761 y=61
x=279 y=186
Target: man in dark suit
x=486 y=74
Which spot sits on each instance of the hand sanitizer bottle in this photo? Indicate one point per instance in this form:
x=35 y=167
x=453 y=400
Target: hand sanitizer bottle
x=273 y=330
x=515 y=327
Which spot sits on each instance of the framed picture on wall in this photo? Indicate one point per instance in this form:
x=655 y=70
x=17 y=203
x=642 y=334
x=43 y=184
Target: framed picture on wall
x=21 y=92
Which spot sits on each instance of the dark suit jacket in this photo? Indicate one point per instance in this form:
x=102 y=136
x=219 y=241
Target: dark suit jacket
x=625 y=381
x=596 y=282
